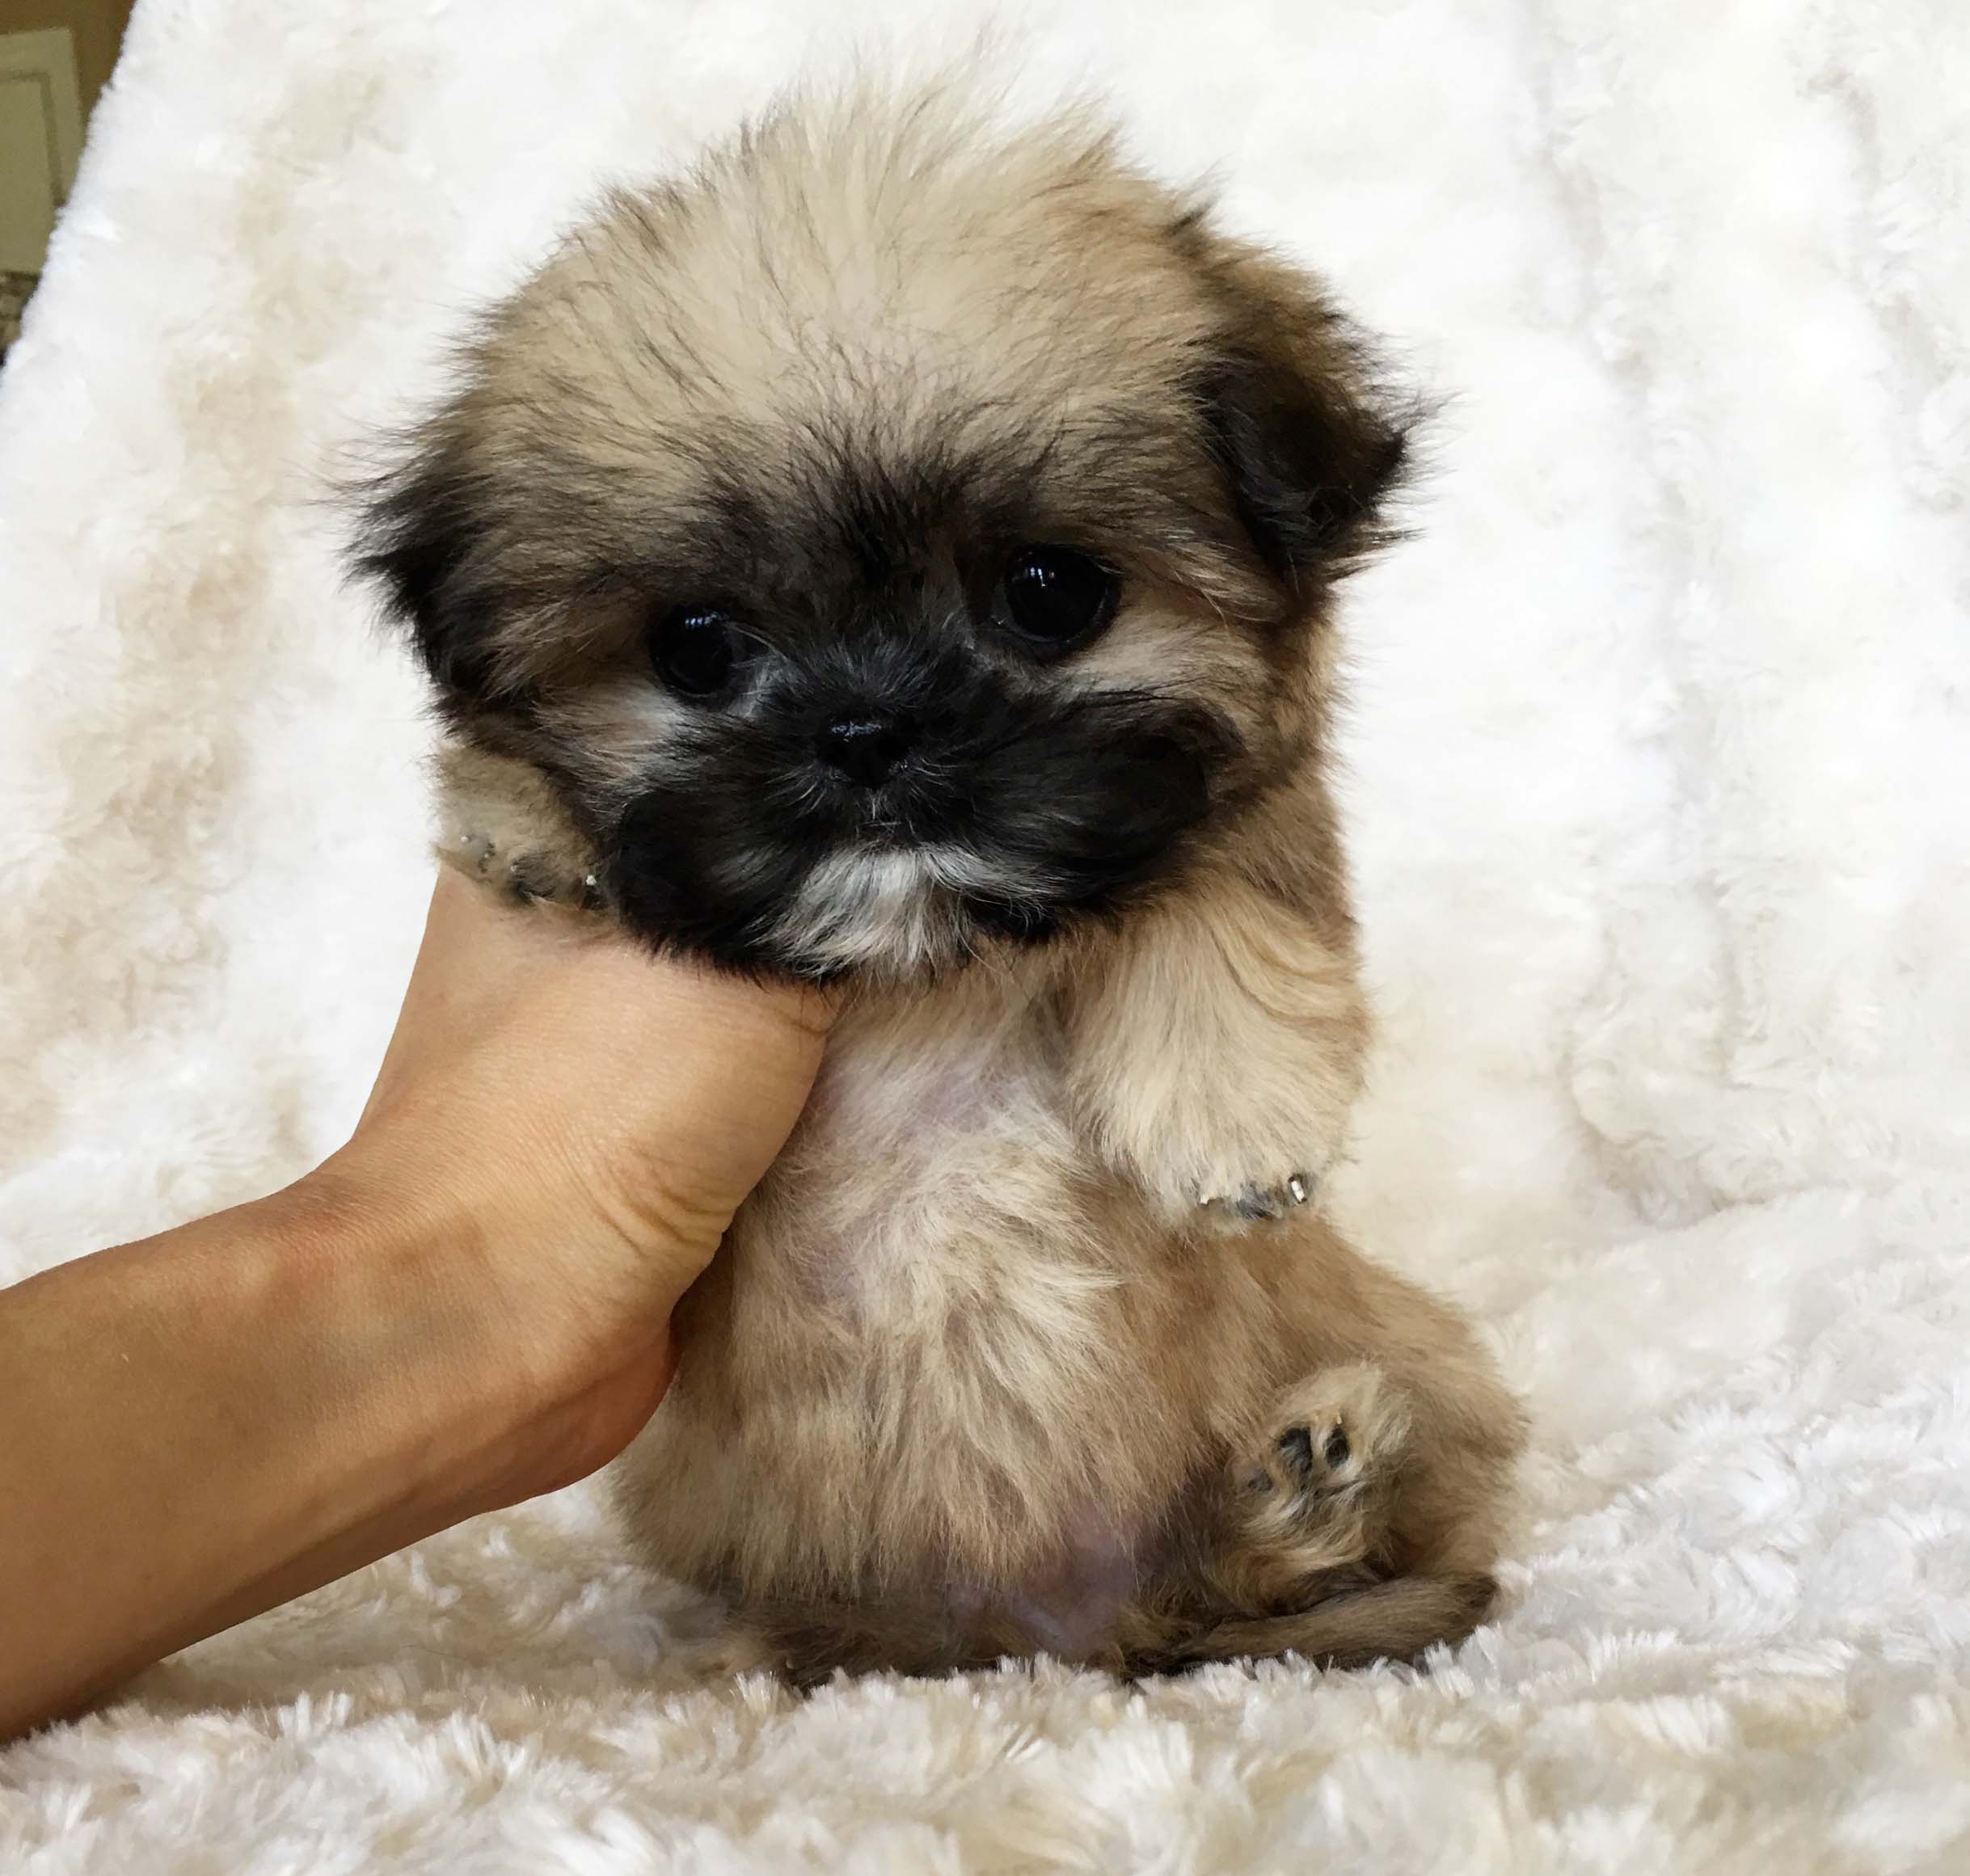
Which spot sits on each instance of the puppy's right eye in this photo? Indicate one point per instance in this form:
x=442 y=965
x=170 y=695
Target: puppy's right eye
x=695 y=650
x=1058 y=599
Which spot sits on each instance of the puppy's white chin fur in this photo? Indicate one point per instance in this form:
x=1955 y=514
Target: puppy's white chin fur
x=886 y=912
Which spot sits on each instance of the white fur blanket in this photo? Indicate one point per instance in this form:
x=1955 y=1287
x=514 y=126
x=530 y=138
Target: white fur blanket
x=1660 y=782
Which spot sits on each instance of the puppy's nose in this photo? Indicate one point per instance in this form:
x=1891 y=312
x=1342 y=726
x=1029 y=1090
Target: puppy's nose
x=866 y=748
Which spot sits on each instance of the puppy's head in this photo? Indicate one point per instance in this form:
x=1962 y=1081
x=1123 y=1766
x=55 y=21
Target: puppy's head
x=894 y=539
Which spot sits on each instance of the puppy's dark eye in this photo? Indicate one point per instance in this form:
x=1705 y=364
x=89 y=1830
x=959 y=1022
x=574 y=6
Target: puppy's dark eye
x=696 y=650
x=1059 y=598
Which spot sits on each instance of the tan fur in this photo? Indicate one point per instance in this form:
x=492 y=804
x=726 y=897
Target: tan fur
x=998 y=1359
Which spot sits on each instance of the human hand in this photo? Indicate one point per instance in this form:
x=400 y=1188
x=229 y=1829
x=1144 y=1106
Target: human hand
x=468 y=1304
x=579 y=1120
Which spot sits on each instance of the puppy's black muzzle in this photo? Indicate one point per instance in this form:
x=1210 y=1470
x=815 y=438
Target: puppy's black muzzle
x=1045 y=800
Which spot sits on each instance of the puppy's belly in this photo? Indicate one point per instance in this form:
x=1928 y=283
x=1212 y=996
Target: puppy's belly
x=939 y=1355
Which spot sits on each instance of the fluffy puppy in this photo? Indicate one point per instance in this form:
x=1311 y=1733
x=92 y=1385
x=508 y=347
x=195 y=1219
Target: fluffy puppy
x=900 y=552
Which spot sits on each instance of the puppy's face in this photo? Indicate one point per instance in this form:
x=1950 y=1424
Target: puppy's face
x=895 y=540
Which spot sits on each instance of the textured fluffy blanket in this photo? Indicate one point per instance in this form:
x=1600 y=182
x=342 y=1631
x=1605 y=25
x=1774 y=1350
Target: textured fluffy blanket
x=1659 y=780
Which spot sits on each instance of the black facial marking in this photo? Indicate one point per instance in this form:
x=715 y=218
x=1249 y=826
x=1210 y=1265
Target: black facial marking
x=1059 y=803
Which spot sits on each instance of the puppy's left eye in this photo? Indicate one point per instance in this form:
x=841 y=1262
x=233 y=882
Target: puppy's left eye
x=1058 y=599
x=697 y=650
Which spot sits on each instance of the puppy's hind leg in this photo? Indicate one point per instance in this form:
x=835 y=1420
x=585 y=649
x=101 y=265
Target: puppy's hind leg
x=1357 y=1526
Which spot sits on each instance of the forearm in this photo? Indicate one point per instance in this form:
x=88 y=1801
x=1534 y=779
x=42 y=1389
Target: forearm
x=201 y=1425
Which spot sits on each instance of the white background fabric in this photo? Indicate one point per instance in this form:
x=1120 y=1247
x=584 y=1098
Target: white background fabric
x=1660 y=775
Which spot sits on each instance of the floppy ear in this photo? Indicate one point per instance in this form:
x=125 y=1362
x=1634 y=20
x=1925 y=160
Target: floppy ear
x=1309 y=445
x=417 y=530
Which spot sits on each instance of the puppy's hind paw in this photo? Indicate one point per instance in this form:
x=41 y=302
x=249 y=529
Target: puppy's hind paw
x=1338 y=1432
x=1253 y=1203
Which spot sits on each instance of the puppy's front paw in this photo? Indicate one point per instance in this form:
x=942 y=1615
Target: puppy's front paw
x=501 y=824
x=1255 y=1202
x=528 y=875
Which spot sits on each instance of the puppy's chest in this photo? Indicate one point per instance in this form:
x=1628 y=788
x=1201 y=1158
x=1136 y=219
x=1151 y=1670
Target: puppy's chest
x=923 y=1093
x=938 y=1145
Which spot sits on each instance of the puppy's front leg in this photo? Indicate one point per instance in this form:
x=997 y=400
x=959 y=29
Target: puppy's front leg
x=1215 y=1046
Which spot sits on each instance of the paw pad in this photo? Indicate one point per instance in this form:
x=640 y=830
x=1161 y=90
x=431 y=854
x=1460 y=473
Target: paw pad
x=1314 y=1457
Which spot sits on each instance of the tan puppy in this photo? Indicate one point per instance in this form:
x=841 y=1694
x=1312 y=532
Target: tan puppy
x=900 y=552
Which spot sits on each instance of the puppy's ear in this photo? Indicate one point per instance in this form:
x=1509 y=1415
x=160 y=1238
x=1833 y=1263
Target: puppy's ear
x=1310 y=446
x=418 y=526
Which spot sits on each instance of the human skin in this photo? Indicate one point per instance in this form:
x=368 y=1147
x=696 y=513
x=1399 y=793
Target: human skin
x=466 y=1305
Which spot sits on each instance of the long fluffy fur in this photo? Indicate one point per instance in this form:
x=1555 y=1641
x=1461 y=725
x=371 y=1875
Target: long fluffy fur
x=1027 y=1342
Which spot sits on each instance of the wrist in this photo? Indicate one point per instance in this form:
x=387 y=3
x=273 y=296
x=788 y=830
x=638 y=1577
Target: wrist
x=519 y=1347
x=409 y=1336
